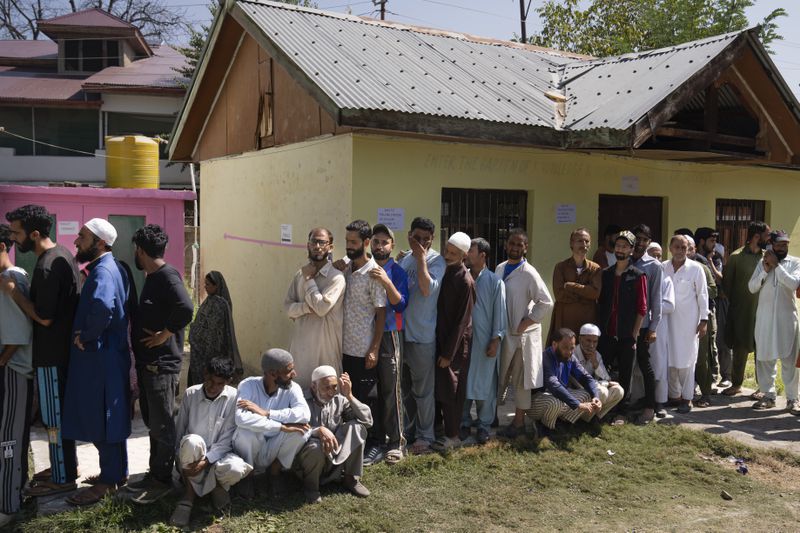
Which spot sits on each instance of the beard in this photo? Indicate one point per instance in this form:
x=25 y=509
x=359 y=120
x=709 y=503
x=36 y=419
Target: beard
x=379 y=255
x=620 y=256
x=514 y=256
x=316 y=256
x=781 y=255
x=762 y=245
x=283 y=383
x=87 y=256
x=138 y=263
x=355 y=254
x=26 y=245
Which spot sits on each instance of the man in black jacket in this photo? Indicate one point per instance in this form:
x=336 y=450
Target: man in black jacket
x=621 y=309
x=165 y=309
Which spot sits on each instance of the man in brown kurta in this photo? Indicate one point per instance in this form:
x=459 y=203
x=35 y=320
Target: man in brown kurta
x=576 y=283
x=453 y=338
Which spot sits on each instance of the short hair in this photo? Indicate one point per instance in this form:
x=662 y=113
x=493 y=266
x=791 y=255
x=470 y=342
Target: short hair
x=754 y=228
x=577 y=231
x=678 y=236
x=5 y=236
x=704 y=233
x=326 y=230
x=275 y=359
x=642 y=228
x=152 y=239
x=518 y=231
x=611 y=229
x=563 y=333
x=482 y=245
x=32 y=218
x=362 y=227
x=220 y=367
x=425 y=224
x=684 y=231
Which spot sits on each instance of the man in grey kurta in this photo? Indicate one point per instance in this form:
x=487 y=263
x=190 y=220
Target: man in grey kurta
x=335 y=445
x=488 y=327
x=204 y=426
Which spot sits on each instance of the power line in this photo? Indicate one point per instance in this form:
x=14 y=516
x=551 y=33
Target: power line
x=17 y=135
x=447 y=4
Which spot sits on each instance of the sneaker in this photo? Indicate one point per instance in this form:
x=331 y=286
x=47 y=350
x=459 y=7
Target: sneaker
x=724 y=384
x=684 y=408
x=464 y=432
x=660 y=411
x=766 y=403
x=374 y=455
x=149 y=481
x=793 y=406
x=482 y=436
x=353 y=484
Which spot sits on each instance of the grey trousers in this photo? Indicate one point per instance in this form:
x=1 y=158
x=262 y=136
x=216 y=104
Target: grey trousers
x=724 y=353
x=418 y=380
x=317 y=468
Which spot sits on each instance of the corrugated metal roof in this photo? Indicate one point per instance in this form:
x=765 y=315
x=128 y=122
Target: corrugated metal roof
x=16 y=85
x=21 y=49
x=157 y=71
x=369 y=65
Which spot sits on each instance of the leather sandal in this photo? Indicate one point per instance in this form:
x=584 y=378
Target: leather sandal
x=48 y=488
x=88 y=496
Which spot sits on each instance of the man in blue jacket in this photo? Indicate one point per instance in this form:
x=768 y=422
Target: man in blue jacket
x=559 y=398
x=97 y=399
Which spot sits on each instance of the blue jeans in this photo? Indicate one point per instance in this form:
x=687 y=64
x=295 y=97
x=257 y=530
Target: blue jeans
x=417 y=387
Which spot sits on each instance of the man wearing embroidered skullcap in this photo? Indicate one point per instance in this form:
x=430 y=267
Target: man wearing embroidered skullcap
x=453 y=338
x=335 y=448
x=271 y=421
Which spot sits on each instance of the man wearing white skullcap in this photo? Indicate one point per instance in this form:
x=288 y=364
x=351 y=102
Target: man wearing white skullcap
x=271 y=421
x=611 y=392
x=339 y=423
x=96 y=406
x=453 y=337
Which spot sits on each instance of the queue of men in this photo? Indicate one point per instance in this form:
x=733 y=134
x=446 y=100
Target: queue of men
x=388 y=356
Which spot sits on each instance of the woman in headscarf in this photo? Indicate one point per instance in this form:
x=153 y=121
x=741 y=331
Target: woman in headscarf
x=212 y=333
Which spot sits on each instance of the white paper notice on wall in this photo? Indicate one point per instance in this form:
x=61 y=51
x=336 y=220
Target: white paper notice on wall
x=393 y=218
x=286 y=233
x=630 y=184
x=68 y=227
x=565 y=213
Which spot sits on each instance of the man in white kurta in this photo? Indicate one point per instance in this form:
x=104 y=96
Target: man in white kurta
x=687 y=323
x=314 y=303
x=271 y=419
x=660 y=349
x=775 y=280
x=528 y=302
x=204 y=426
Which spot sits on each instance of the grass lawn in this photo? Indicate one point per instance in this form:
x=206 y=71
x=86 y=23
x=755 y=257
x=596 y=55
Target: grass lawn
x=659 y=478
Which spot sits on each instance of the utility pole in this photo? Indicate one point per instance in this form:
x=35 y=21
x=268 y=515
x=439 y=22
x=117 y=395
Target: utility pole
x=382 y=4
x=523 y=17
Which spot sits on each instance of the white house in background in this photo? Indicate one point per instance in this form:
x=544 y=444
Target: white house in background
x=96 y=77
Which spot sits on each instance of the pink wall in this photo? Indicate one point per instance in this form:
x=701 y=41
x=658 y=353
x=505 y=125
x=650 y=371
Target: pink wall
x=80 y=204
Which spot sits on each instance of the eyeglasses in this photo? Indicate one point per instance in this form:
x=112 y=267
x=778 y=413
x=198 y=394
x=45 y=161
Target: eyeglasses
x=317 y=242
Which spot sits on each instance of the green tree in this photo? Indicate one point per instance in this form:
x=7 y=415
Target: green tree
x=613 y=27
x=199 y=35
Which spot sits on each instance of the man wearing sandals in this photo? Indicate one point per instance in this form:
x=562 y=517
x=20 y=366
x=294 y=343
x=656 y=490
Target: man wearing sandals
x=205 y=424
x=335 y=447
x=97 y=399
x=775 y=280
x=453 y=339
x=51 y=307
x=16 y=389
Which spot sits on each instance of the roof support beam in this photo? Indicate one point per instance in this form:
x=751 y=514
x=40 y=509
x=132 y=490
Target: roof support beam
x=710 y=138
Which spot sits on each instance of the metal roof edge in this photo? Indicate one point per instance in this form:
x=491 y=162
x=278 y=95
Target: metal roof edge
x=197 y=77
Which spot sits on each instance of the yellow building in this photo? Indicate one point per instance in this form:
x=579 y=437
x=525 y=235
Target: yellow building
x=297 y=120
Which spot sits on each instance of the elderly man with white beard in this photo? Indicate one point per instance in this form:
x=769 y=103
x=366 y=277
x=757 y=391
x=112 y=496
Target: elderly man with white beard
x=335 y=445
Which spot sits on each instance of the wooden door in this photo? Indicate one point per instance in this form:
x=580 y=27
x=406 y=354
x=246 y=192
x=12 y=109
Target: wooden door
x=628 y=211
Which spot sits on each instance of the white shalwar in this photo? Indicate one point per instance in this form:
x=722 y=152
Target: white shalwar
x=691 y=306
x=777 y=327
x=659 y=350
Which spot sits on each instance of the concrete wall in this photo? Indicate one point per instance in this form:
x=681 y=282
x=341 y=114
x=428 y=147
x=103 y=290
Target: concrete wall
x=410 y=173
x=245 y=200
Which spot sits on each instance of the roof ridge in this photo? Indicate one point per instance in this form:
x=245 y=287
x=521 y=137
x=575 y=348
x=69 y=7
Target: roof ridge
x=81 y=12
x=421 y=29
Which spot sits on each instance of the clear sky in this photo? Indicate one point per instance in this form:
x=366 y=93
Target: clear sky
x=500 y=19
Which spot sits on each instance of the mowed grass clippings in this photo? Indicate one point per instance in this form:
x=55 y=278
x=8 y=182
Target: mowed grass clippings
x=658 y=478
